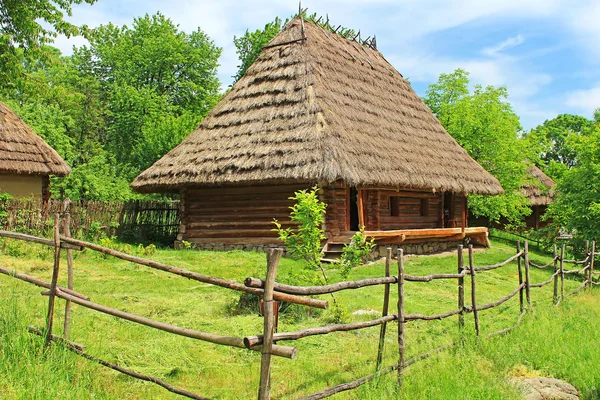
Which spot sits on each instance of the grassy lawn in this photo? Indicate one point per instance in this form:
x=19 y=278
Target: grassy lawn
x=552 y=341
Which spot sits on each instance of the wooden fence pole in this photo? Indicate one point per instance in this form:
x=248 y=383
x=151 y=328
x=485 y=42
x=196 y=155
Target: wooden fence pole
x=67 y=231
x=461 y=290
x=591 y=269
x=587 y=247
x=522 y=290
x=384 y=313
x=527 y=277
x=54 y=282
x=273 y=256
x=473 y=290
x=401 y=348
x=555 y=293
x=562 y=272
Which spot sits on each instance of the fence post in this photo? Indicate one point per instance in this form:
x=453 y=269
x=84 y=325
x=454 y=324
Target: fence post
x=67 y=231
x=386 y=302
x=562 y=272
x=555 y=293
x=461 y=290
x=473 y=290
x=401 y=349
x=591 y=269
x=273 y=256
x=522 y=290
x=54 y=282
x=527 y=277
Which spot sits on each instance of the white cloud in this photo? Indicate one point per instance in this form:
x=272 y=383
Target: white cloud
x=507 y=44
x=584 y=100
x=583 y=19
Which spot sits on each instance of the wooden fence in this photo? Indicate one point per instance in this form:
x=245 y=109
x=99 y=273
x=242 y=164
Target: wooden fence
x=270 y=291
x=136 y=220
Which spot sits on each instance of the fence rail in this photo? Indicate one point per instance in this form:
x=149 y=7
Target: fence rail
x=270 y=291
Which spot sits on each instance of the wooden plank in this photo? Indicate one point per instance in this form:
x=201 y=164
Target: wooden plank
x=233 y=190
x=361 y=210
x=242 y=241
x=228 y=233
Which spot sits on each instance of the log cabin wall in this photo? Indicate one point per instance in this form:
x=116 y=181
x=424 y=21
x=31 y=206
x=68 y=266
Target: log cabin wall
x=460 y=211
x=390 y=210
x=337 y=218
x=236 y=215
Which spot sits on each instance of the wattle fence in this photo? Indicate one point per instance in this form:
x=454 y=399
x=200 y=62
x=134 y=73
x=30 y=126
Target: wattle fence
x=135 y=220
x=271 y=292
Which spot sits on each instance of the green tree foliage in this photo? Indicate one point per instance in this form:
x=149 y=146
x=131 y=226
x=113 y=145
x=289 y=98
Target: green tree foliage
x=484 y=123
x=305 y=241
x=555 y=140
x=249 y=46
x=26 y=26
x=576 y=205
x=116 y=106
x=158 y=83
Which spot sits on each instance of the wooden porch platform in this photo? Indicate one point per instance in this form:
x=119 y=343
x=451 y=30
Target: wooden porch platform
x=479 y=235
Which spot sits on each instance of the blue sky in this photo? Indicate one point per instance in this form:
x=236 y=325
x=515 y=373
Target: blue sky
x=547 y=52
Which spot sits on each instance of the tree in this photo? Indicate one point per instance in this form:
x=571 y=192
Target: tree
x=116 y=106
x=249 y=45
x=576 y=205
x=157 y=83
x=23 y=31
x=484 y=124
x=555 y=139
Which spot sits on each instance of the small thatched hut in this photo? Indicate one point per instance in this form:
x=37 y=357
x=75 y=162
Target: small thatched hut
x=26 y=161
x=316 y=108
x=540 y=194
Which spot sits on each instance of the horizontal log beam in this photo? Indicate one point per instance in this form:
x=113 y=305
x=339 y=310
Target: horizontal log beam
x=316 y=290
x=225 y=283
x=35 y=239
x=281 y=351
x=502 y=264
x=498 y=302
x=39 y=282
x=541 y=284
x=412 y=317
x=252 y=341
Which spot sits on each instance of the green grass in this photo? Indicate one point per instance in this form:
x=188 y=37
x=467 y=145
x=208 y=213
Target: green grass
x=552 y=341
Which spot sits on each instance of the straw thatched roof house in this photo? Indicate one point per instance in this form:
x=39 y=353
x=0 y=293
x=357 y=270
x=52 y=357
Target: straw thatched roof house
x=26 y=161
x=316 y=108
x=540 y=194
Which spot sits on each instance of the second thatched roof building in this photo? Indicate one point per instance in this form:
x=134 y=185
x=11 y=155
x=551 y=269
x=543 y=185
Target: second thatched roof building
x=316 y=108
x=26 y=160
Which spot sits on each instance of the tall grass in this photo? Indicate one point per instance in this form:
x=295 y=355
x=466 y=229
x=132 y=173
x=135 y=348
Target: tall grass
x=556 y=341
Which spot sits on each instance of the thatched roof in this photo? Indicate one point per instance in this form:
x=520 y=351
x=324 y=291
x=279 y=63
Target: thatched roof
x=23 y=152
x=321 y=109
x=540 y=192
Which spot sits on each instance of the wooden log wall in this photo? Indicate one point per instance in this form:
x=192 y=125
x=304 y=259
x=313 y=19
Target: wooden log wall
x=410 y=215
x=337 y=218
x=236 y=215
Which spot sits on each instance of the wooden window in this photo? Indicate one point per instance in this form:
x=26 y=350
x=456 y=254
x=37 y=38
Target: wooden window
x=394 y=206
x=424 y=207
